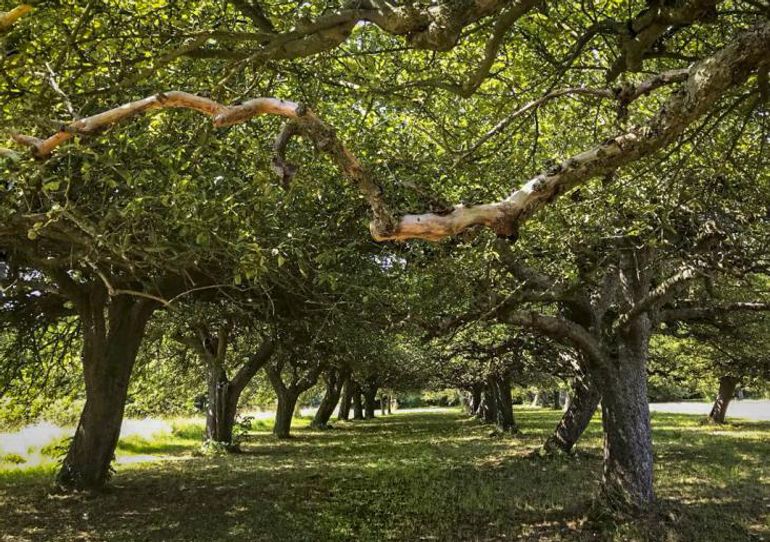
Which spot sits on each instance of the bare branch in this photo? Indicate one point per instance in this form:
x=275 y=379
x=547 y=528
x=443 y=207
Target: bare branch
x=308 y=124
x=8 y=18
x=708 y=80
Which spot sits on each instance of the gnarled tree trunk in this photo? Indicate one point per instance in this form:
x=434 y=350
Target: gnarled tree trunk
x=489 y=402
x=223 y=393
x=110 y=345
x=475 y=402
x=334 y=379
x=584 y=399
x=627 y=478
x=727 y=385
x=288 y=394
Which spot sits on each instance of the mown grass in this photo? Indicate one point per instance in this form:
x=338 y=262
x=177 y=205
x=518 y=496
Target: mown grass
x=412 y=476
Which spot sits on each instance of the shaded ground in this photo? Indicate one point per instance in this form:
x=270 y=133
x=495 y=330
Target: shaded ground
x=412 y=476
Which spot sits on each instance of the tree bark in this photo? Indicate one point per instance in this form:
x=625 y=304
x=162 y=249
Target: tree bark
x=284 y=413
x=110 y=346
x=346 y=400
x=330 y=399
x=288 y=395
x=370 y=402
x=505 y=420
x=223 y=393
x=383 y=406
x=489 y=402
x=475 y=402
x=222 y=404
x=627 y=478
x=358 y=405
x=727 y=385
x=584 y=400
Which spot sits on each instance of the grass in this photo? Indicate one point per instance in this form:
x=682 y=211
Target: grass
x=412 y=476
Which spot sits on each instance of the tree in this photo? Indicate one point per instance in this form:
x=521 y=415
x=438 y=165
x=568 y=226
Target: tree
x=224 y=391
x=428 y=127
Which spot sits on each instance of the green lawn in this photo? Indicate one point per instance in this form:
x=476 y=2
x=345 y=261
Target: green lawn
x=415 y=476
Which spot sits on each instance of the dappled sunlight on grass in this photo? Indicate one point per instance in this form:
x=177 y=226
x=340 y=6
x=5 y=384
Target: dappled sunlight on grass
x=416 y=475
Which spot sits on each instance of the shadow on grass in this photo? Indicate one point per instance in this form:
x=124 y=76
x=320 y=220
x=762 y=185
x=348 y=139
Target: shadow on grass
x=407 y=477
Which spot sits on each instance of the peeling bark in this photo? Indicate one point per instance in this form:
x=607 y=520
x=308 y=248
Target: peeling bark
x=9 y=18
x=706 y=83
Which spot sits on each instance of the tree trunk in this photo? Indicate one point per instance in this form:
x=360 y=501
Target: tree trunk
x=224 y=394
x=567 y=399
x=383 y=407
x=220 y=412
x=727 y=385
x=476 y=400
x=628 y=461
x=284 y=413
x=329 y=402
x=370 y=402
x=390 y=403
x=358 y=408
x=346 y=401
x=489 y=402
x=505 y=420
x=557 y=400
x=110 y=347
x=584 y=400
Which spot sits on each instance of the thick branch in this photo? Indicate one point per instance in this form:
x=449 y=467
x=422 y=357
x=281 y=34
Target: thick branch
x=708 y=80
x=712 y=312
x=706 y=83
x=8 y=18
x=306 y=122
x=254 y=11
x=255 y=362
x=556 y=328
x=653 y=24
x=657 y=294
x=437 y=27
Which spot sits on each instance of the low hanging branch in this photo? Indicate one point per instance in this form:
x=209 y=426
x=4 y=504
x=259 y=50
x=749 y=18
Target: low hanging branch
x=705 y=83
x=302 y=121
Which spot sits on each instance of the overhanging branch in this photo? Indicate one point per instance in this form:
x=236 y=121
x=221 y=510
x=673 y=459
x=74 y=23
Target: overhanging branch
x=706 y=82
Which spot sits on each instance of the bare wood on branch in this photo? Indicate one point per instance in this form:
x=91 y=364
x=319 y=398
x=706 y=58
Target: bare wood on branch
x=8 y=18
x=705 y=83
x=305 y=122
